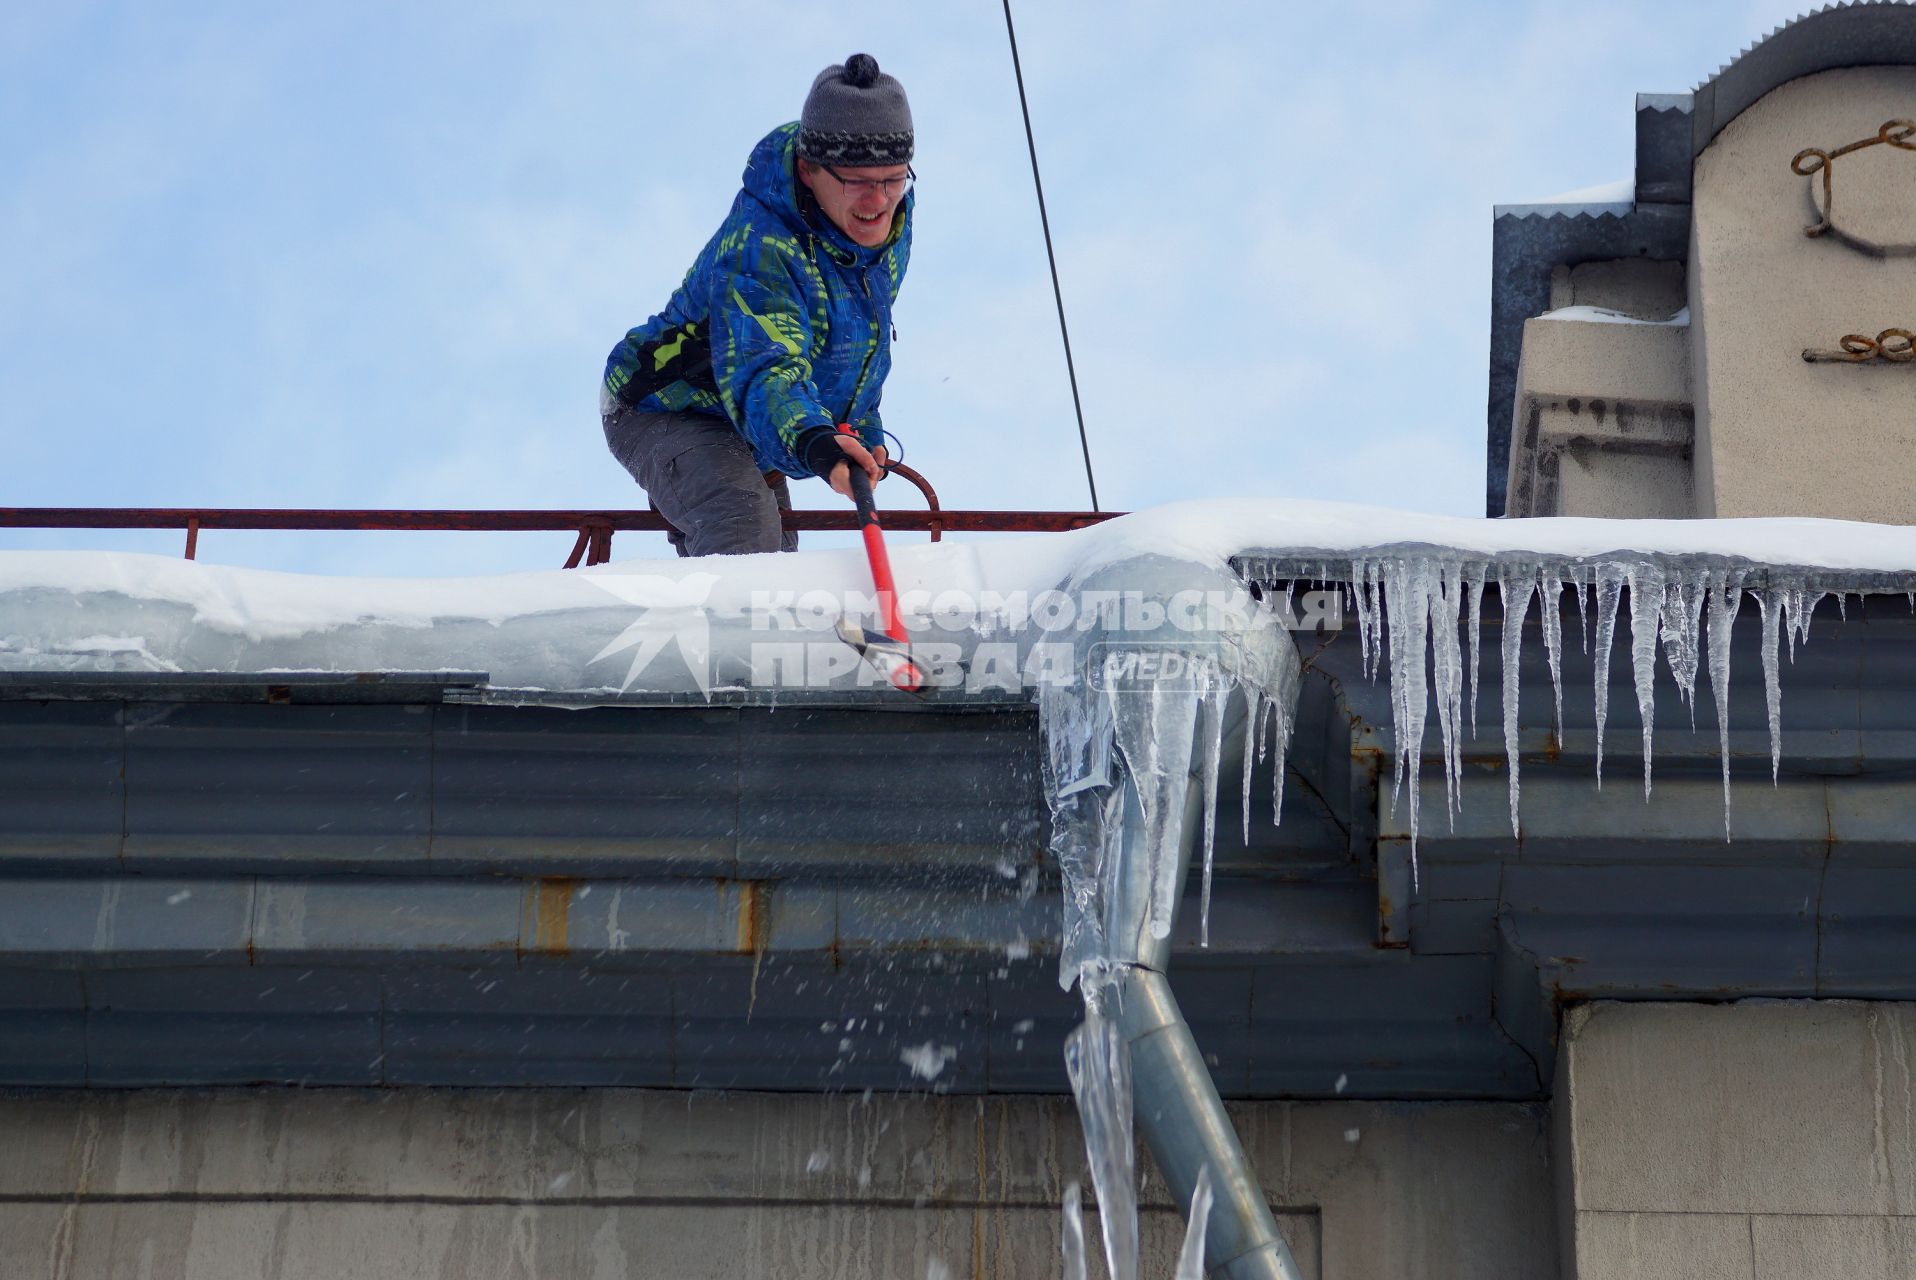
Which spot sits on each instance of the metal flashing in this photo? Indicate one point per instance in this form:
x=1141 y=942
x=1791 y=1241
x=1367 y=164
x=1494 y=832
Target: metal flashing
x=1867 y=33
x=994 y=698
x=1683 y=102
x=1604 y=209
x=239 y=686
x=1663 y=148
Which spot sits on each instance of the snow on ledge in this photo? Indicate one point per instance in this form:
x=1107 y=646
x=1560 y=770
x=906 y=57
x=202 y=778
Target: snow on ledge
x=1604 y=315
x=587 y=629
x=1616 y=191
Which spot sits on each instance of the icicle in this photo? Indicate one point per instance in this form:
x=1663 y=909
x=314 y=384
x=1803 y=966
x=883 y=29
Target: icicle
x=1453 y=606
x=1515 y=587
x=1550 y=613
x=1365 y=601
x=1191 y=1256
x=1646 y=611
x=1253 y=752
x=1076 y=1265
x=1098 y=1062
x=1210 y=745
x=1726 y=596
x=1360 y=609
x=1802 y=610
x=1446 y=675
x=1581 y=587
x=1281 y=723
x=1682 y=611
x=1770 y=601
x=1407 y=614
x=1609 y=587
x=1798 y=607
x=1376 y=619
x=1474 y=576
x=1792 y=597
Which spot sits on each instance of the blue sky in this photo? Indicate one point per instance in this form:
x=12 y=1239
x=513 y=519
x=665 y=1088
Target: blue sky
x=363 y=254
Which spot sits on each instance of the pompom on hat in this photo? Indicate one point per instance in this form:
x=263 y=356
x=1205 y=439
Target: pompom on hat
x=856 y=116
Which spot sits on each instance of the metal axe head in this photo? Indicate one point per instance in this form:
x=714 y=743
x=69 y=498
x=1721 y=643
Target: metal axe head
x=887 y=656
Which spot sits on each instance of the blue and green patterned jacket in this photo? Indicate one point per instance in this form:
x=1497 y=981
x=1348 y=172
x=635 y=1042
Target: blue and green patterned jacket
x=782 y=325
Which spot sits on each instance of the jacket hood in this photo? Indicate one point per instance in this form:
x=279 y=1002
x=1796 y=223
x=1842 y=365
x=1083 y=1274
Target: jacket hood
x=771 y=178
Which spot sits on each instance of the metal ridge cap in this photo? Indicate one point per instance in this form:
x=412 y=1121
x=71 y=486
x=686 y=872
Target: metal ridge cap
x=1602 y=209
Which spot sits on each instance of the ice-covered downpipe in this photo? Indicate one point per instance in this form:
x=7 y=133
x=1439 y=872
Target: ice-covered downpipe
x=1176 y=1102
x=1131 y=774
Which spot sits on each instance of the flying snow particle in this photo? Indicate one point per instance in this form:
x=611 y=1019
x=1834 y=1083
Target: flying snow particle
x=927 y=1061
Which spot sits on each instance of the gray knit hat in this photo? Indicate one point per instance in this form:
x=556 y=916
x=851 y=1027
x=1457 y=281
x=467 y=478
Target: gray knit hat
x=855 y=116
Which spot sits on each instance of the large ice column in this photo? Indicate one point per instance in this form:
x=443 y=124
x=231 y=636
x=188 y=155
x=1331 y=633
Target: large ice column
x=1131 y=773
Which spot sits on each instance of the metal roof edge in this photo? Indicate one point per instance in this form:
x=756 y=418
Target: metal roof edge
x=239 y=686
x=996 y=698
x=1603 y=209
x=1853 y=33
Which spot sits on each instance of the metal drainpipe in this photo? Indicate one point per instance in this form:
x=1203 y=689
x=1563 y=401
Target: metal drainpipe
x=1175 y=1100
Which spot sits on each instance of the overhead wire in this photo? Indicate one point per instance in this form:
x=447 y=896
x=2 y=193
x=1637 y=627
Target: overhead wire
x=1051 y=256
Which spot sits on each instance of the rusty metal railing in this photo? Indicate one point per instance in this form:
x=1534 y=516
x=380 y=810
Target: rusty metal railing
x=593 y=529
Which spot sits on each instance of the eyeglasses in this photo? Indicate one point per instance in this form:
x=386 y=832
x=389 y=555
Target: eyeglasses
x=888 y=187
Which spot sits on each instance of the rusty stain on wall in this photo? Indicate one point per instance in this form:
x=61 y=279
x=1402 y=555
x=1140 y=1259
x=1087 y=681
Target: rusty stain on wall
x=551 y=916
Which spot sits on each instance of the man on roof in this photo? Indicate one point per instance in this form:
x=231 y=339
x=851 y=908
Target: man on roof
x=781 y=329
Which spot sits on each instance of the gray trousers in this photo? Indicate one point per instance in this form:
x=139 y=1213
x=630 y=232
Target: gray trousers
x=700 y=474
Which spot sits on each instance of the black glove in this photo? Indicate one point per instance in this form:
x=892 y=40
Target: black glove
x=819 y=451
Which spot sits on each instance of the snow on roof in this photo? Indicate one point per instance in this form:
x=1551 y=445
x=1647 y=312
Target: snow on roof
x=1616 y=191
x=601 y=628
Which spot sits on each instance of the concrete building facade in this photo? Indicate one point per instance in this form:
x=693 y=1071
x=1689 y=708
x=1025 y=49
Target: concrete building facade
x=1732 y=340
